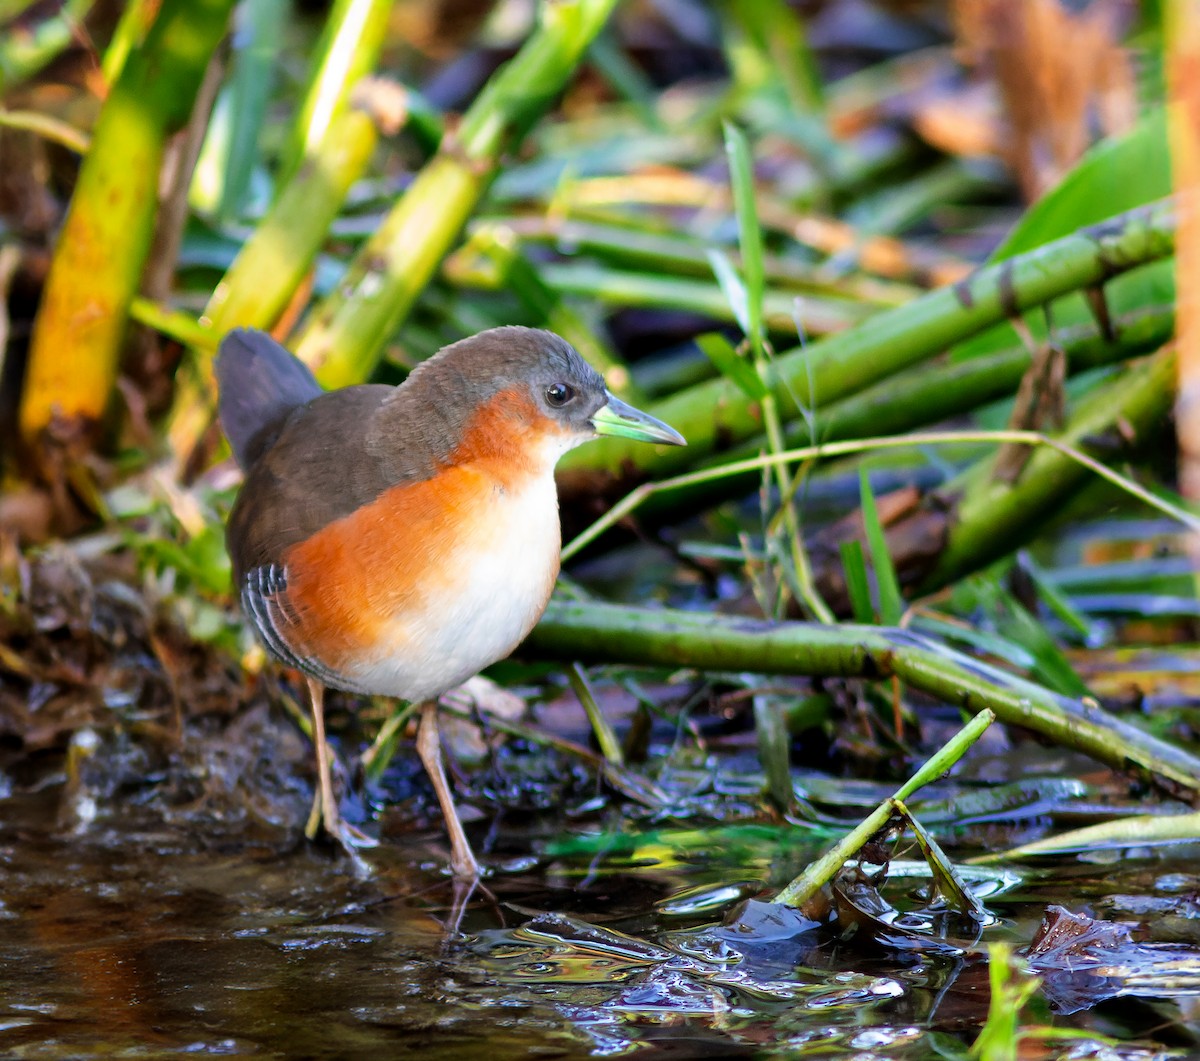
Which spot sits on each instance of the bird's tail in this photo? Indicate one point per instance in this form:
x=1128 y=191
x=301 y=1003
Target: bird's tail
x=259 y=384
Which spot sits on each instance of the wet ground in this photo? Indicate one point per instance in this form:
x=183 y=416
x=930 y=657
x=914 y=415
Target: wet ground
x=137 y=936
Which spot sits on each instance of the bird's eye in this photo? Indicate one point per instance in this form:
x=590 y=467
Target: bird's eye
x=558 y=394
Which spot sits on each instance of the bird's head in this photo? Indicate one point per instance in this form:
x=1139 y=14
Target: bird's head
x=534 y=381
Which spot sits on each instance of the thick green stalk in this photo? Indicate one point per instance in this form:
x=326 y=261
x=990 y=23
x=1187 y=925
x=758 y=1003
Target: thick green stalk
x=274 y=261
x=333 y=139
x=822 y=314
x=105 y=239
x=716 y=413
x=347 y=51
x=656 y=251
x=930 y=394
x=992 y=518
x=345 y=336
x=280 y=252
x=593 y=632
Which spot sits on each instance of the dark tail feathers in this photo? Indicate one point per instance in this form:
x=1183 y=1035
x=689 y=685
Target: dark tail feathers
x=259 y=384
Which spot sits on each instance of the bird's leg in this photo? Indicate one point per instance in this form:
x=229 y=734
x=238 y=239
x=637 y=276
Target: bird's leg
x=429 y=748
x=328 y=815
x=325 y=808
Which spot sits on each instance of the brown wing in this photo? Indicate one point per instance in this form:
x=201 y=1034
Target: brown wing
x=318 y=470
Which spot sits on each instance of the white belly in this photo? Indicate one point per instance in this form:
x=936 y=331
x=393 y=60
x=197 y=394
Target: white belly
x=503 y=575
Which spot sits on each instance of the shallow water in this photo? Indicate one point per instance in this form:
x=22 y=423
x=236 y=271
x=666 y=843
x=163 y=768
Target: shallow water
x=137 y=939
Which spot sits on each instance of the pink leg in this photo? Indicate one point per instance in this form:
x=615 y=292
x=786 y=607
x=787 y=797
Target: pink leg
x=329 y=810
x=429 y=748
x=325 y=809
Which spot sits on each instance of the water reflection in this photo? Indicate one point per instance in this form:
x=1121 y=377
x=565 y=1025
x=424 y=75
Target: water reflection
x=143 y=939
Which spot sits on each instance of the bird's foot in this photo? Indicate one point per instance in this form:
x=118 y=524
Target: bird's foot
x=463 y=864
x=350 y=837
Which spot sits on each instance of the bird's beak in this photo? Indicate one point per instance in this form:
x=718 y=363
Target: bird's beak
x=617 y=418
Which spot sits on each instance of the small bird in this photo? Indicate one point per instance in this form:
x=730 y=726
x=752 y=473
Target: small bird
x=395 y=541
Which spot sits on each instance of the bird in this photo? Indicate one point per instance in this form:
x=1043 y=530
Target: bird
x=396 y=540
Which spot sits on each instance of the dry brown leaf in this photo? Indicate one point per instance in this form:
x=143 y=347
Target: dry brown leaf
x=1060 y=75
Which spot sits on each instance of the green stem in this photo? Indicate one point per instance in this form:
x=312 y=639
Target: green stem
x=992 y=518
x=106 y=236
x=610 y=747
x=48 y=128
x=346 y=334
x=347 y=51
x=658 y=251
x=822 y=315
x=280 y=252
x=594 y=632
x=805 y=589
x=375 y=759
x=175 y=323
x=819 y=872
x=932 y=394
x=275 y=260
x=716 y=413
x=636 y=497
x=1116 y=833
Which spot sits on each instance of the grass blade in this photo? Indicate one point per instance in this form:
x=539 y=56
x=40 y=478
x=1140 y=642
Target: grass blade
x=741 y=177
x=774 y=749
x=891 y=603
x=858 y=585
x=259 y=37
x=732 y=365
